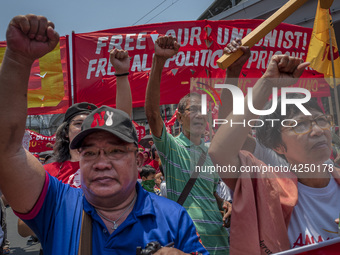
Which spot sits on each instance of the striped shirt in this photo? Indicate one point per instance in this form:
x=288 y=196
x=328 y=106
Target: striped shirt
x=179 y=157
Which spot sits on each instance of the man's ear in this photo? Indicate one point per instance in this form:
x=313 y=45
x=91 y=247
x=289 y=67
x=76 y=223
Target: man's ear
x=139 y=159
x=143 y=178
x=280 y=149
x=179 y=117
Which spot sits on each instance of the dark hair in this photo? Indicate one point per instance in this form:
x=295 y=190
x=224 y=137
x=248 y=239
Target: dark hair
x=147 y=170
x=270 y=133
x=61 y=148
x=184 y=101
x=153 y=151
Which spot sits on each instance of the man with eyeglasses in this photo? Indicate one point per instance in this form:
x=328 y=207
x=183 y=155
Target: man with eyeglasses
x=288 y=207
x=110 y=213
x=180 y=155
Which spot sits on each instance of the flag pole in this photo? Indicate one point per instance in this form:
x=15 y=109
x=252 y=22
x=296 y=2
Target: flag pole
x=330 y=103
x=336 y=97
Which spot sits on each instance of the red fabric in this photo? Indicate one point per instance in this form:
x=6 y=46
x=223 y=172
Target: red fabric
x=62 y=171
x=45 y=91
x=94 y=76
x=155 y=164
x=38 y=142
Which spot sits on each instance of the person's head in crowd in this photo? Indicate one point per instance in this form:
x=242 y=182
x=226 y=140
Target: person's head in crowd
x=190 y=117
x=302 y=138
x=146 y=157
x=107 y=145
x=154 y=153
x=148 y=173
x=148 y=178
x=71 y=126
x=158 y=179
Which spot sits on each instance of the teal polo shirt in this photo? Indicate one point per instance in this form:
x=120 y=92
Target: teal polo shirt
x=179 y=158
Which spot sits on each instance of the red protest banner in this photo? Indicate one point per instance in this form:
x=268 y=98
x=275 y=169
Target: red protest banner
x=202 y=43
x=140 y=130
x=49 y=85
x=39 y=143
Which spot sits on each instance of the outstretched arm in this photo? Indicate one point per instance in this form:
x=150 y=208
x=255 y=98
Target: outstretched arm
x=120 y=61
x=165 y=47
x=279 y=70
x=232 y=77
x=21 y=175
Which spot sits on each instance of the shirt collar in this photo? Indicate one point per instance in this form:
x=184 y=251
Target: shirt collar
x=188 y=143
x=143 y=205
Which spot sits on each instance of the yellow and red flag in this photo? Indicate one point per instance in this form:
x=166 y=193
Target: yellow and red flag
x=319 y=51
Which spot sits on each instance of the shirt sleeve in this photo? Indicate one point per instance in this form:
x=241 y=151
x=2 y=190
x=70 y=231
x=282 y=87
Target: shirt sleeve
x=44 y=219
x=268 y=156
x=36 y=208
x=189 y=239
x=162 y=143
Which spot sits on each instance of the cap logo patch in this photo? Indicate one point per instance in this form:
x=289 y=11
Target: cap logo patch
x=99 y=120
x=109 y=121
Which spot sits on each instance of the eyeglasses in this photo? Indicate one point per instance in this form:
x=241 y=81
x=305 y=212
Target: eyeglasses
x=113 y=152
x=304 y=126
x=193 y=109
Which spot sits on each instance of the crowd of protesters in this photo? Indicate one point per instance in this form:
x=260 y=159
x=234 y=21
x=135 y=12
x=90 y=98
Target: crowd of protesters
x=102 y=193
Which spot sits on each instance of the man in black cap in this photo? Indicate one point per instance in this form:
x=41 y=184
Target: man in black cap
x=110 y=214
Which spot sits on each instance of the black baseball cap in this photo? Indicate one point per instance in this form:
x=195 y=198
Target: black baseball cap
x=78 y=109
x=108 y=119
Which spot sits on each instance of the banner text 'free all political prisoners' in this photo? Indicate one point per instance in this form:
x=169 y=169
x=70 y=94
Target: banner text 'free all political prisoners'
x=202 y=43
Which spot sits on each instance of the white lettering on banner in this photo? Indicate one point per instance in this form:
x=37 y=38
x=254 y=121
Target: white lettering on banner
x=237 y=33
x=100 y=43
x=116 y=42
x=262 y=58
x=140 y=39
x=91 y=69
x=138 y=65
x=289 y=37
x=109 y=69
x=225 y=37
x=275 y=38
x=101 y=67
x=193 y=34
x=203 y=58
x=128 y=40
x=185 y=40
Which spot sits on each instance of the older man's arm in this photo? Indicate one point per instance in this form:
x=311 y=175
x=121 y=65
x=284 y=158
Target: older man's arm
x=165 y=47
x=21 y=175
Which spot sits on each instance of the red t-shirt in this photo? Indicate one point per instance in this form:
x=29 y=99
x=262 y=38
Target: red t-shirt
x=62 y=171
x=155 y=164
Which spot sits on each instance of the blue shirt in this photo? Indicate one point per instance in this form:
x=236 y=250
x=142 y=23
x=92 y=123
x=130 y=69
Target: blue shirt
x=58 y=223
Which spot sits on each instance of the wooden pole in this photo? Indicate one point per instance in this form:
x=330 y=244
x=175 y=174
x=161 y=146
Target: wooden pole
x=330 y=104
x=261 y=31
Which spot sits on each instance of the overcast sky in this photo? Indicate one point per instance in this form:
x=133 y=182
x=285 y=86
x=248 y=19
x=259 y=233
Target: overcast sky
x=93 y=15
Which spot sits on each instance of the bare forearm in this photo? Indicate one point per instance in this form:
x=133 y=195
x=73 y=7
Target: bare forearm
x=14 y=75
x=123 y=95
x=230 y=138
x=152 y=97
